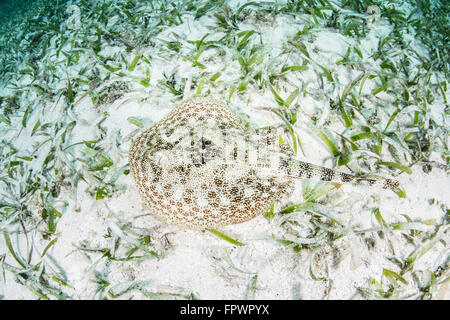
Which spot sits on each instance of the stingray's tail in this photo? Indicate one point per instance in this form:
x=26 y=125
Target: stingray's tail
x=300 y=169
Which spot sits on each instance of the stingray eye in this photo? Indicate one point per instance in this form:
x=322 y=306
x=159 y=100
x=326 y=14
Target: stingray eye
x=205 y=143
x=169 y=132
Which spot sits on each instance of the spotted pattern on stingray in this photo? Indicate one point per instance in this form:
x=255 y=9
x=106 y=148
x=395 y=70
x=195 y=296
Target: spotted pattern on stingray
x=218 y=185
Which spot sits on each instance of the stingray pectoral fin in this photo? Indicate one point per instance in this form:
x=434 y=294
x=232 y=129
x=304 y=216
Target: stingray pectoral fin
x=300 y=169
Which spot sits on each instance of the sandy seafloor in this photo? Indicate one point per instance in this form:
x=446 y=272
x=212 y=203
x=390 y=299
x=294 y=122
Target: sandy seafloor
x=195 y=263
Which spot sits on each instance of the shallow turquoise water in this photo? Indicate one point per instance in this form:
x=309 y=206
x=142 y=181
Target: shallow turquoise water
x=23 y=36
